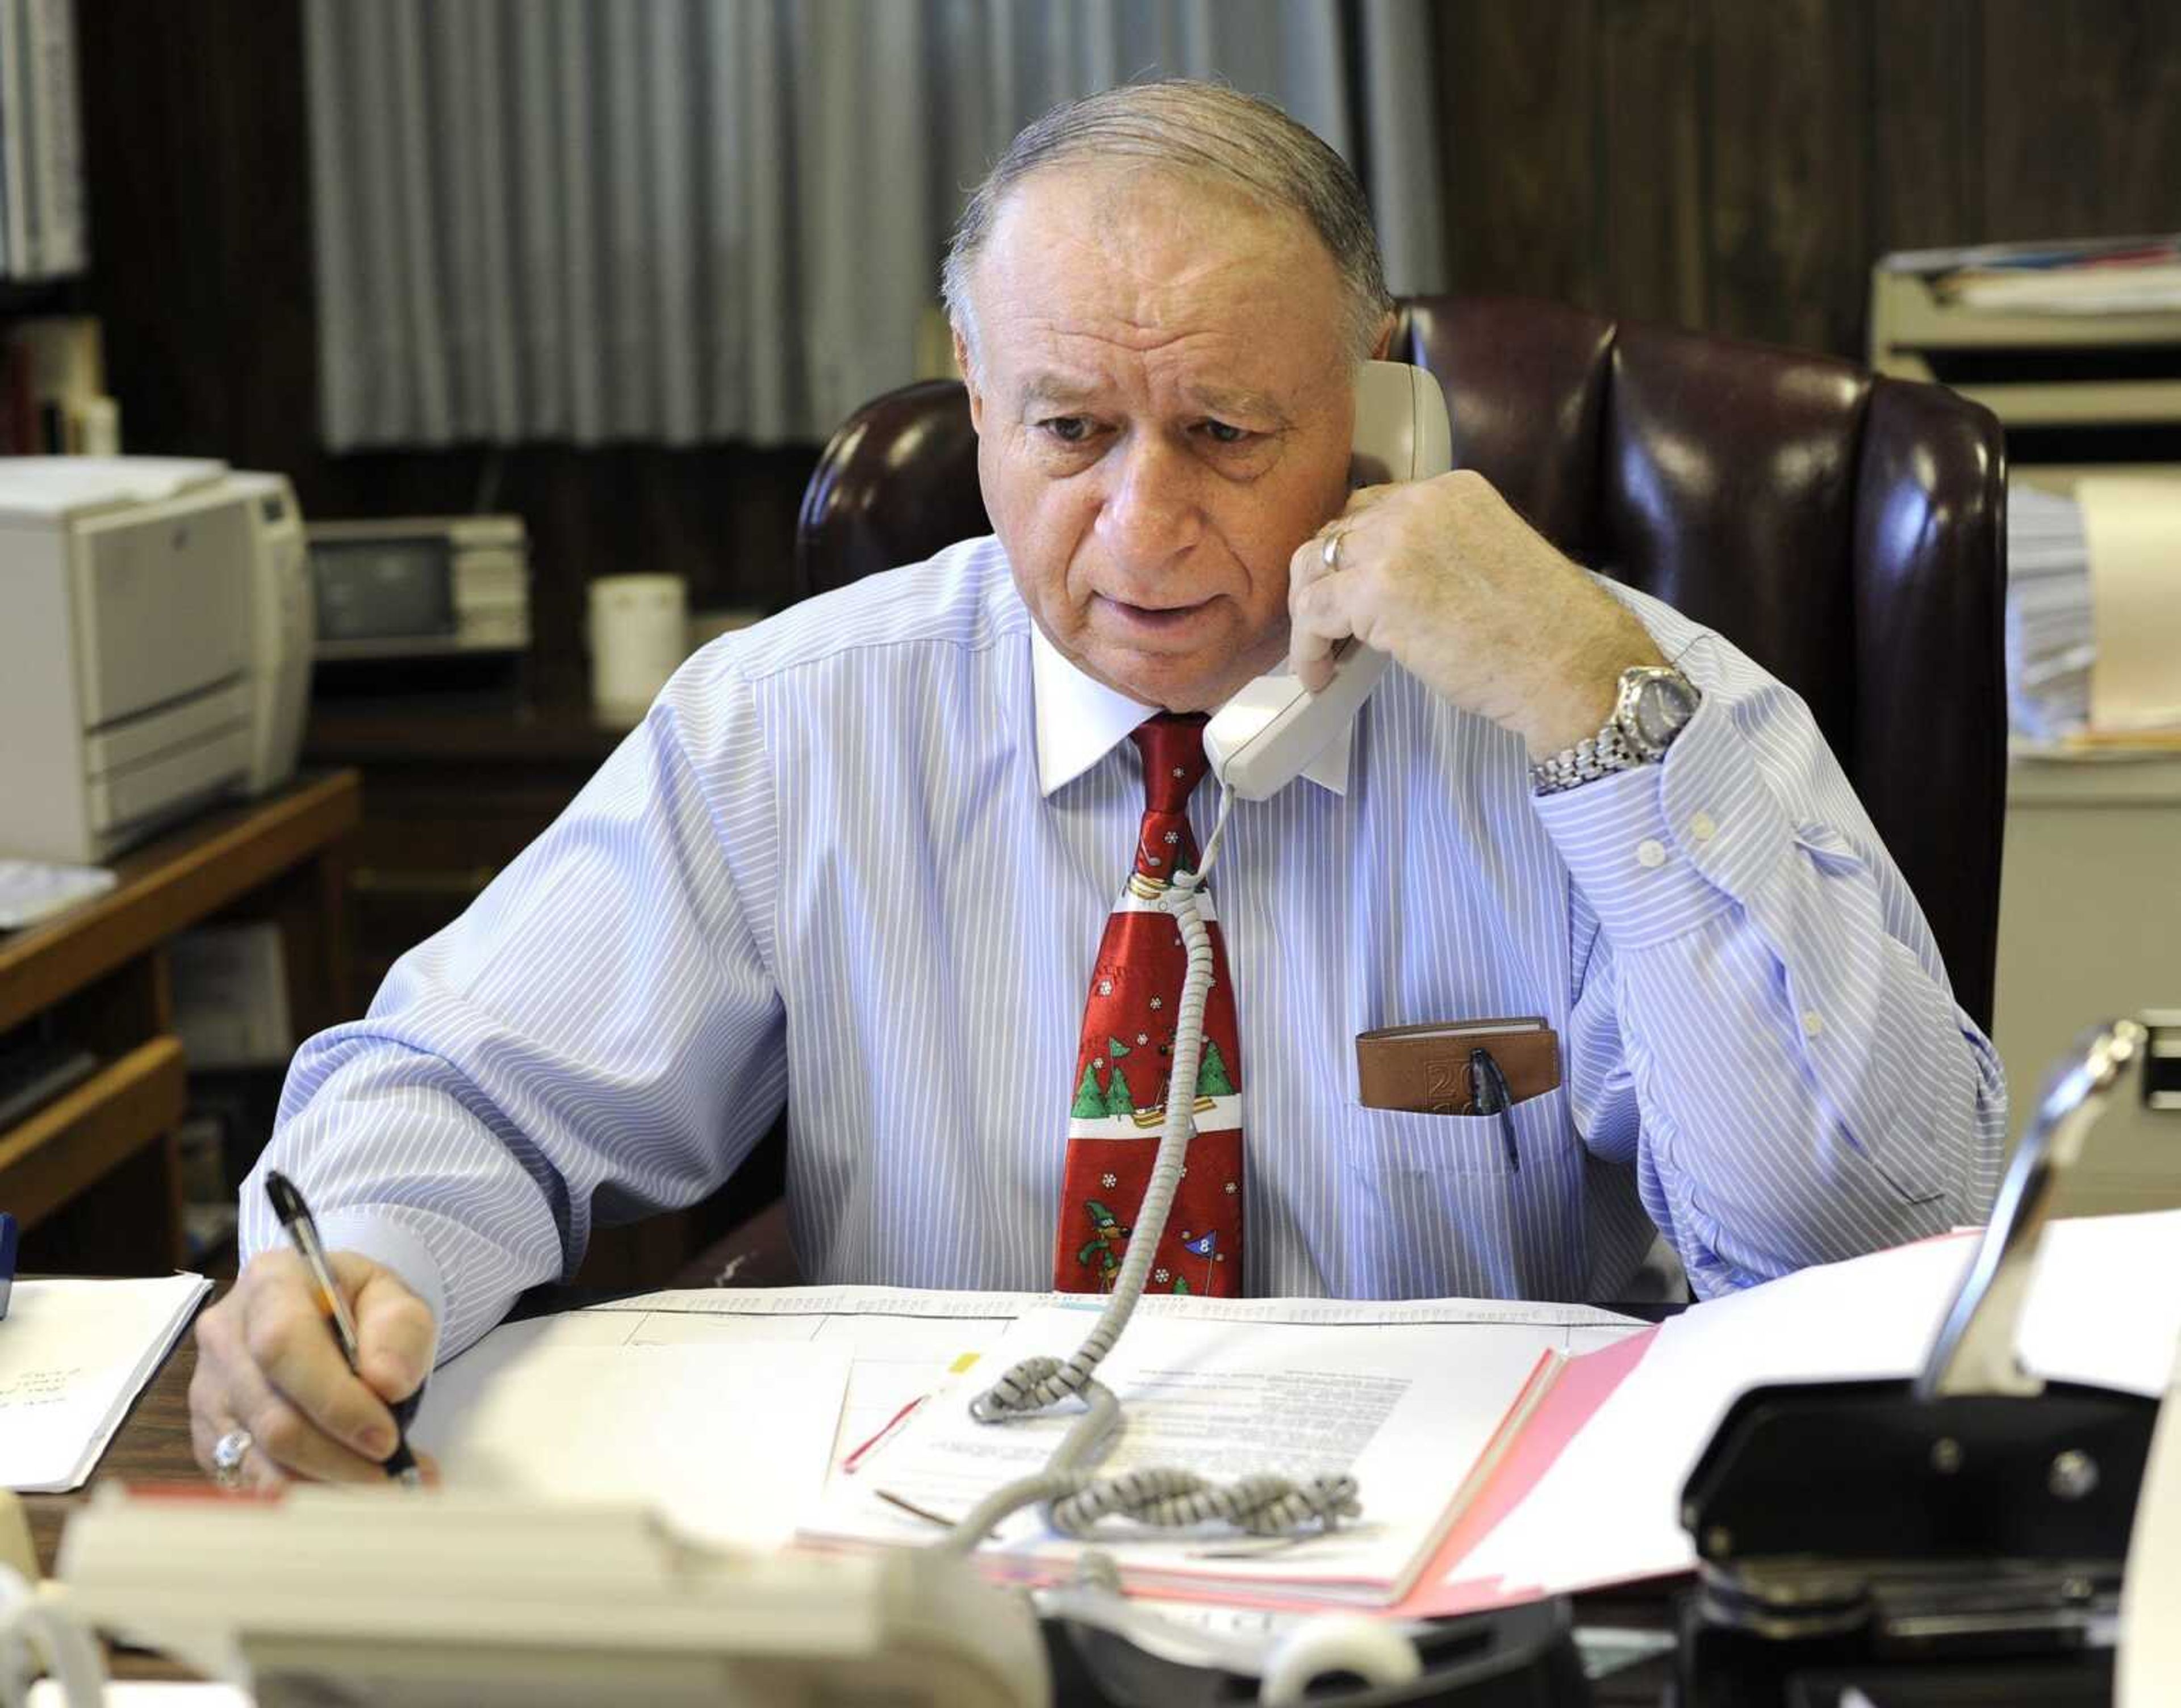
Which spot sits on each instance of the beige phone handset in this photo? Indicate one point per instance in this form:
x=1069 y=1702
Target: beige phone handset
x=1261 y=740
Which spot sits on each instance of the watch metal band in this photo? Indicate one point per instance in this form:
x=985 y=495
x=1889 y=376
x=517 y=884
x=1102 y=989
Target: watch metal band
x=1597 y=756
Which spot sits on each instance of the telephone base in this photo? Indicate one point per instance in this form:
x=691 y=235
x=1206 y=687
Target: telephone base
x=444 y=1601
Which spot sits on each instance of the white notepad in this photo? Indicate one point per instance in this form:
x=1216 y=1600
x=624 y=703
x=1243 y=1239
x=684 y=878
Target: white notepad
x=30 y=890
x=74 y=1356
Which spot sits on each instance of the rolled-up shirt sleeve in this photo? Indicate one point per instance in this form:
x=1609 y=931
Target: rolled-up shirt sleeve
x=1762 y=1024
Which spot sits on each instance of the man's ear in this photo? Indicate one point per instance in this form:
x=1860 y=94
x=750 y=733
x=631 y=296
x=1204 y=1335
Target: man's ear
x=1384 y=341
x=969 y=379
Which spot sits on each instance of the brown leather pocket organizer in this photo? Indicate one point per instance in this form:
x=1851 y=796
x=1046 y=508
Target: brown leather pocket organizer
x=1424 y=1070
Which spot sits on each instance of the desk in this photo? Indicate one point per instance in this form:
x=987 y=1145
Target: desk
x=154 y=1444
x=91 y=1175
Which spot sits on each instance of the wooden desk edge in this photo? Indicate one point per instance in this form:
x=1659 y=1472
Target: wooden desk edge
x=152 y=1444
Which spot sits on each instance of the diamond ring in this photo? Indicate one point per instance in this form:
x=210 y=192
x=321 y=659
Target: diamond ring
x=1330 y=555
x=228 y=1453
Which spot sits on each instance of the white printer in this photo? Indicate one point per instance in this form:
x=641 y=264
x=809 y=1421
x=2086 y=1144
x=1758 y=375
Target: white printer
x=155 y=627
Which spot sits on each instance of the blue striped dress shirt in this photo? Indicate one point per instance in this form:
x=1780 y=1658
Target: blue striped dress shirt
x=856 y=860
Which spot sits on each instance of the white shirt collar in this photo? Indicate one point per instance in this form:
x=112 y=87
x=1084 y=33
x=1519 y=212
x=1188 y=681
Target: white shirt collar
x=1079 y=721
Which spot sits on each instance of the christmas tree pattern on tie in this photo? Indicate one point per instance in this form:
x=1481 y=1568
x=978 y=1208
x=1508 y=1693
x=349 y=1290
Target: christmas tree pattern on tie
x=1124 y=1058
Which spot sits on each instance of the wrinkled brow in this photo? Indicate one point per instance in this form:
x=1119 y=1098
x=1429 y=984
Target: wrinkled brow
x=1049 y=390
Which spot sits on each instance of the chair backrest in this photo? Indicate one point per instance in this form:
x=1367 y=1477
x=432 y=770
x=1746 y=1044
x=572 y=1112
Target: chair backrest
x=1847 y=530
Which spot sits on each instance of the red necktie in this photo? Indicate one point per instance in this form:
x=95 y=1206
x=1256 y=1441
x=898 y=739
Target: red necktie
x=1123 y=1063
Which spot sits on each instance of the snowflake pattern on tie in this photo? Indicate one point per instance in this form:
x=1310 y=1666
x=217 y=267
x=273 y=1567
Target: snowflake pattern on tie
x=1119 y=1105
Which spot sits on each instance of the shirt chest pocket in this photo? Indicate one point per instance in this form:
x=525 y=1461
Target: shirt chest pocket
x=1531 y=1137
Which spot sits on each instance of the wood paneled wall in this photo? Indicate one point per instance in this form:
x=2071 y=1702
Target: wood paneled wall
x=1727 y=164
x=1737 y=165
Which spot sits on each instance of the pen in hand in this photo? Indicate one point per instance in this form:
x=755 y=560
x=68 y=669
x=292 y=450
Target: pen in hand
x=295 y=1217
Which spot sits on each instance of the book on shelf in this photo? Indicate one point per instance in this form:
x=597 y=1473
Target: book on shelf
x=42 y=223
x=14 y=146
x=53 y=389
x=57 y=137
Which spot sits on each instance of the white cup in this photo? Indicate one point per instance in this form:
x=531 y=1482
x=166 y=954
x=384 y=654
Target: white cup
x=640 y=630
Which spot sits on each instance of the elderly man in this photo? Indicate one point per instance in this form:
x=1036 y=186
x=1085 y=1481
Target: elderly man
x=862 y=860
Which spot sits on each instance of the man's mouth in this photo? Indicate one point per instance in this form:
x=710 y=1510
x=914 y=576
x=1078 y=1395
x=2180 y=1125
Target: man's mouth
x=1152 y=619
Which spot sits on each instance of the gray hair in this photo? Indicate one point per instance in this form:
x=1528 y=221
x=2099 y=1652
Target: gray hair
x=1204 y=130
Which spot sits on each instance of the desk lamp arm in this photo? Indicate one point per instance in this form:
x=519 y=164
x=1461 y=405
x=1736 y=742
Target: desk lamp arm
x=1975 y=1351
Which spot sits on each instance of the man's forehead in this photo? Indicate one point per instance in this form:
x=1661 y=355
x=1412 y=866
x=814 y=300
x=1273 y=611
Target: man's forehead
x=1087 y=267
x=1141 y=225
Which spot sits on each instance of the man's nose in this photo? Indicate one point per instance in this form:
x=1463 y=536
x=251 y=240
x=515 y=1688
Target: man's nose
x=1151 y=513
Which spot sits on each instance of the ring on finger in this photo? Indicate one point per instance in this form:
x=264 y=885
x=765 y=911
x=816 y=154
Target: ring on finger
x=228 y=1453
x=1329 y=554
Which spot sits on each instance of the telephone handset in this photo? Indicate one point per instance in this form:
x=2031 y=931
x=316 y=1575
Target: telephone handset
x=1261 y=740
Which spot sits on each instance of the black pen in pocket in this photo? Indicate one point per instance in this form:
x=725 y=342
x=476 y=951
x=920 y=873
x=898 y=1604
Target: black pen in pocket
x=1489 y=1095
x=295 y=1217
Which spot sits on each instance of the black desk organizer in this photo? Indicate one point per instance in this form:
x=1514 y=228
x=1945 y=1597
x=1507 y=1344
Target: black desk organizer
x=1524 y=1657
x=1954 y=1539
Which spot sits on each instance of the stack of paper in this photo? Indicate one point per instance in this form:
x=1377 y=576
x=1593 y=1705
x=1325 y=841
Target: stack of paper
x=2050 y=648
x=1598 y=1500
x=2098 y=276
x=724 y=1408
x=1411 y=1408
x=2132 y=524
x=1504 y=1450
x=73 y=1355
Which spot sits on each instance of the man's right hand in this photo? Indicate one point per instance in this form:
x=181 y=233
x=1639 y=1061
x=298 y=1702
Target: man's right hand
x=268 y=1362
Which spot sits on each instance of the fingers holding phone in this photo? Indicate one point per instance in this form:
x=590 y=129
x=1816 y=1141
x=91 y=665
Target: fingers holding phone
x=1448 y=579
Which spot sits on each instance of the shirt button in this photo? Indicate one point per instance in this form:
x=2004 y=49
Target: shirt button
x=1651 y=852
x=1813 y=1022
x=1703 y=827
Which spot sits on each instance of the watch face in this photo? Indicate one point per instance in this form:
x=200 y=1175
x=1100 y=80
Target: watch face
x=1664 y=703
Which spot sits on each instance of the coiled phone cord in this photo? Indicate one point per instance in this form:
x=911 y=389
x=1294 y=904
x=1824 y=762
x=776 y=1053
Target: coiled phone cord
x=1077 y=1496
x=38 y=1632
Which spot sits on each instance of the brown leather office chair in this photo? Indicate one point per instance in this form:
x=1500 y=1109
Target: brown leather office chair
x=1847 y=532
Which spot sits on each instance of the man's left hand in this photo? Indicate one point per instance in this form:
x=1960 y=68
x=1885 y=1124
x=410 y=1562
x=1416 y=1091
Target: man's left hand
x=1468 y=597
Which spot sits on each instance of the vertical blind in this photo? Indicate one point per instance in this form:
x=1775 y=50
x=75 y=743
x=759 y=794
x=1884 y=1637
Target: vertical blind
x=690 y=220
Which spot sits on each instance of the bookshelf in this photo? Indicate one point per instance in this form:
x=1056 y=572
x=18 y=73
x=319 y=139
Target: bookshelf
x=93 y=1174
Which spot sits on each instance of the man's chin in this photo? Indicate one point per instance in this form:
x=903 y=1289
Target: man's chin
x=1198 y=682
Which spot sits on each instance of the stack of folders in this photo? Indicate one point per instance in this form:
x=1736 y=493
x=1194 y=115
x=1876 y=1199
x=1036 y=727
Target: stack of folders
x=74 y=1356
x=2120 y=275
x=1419 y=1411
x=2050 y=639
x=1492 y=1471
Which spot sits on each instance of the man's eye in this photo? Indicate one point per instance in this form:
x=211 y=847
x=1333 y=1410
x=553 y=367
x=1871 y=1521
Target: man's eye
x=1069 y=429
x=1225 y=432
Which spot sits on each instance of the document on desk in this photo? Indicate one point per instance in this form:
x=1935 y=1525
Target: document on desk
x=728 y=1441
x=906 y=1343
x=74 y=1356
x=1593 y=1496
x=1406 y=1398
